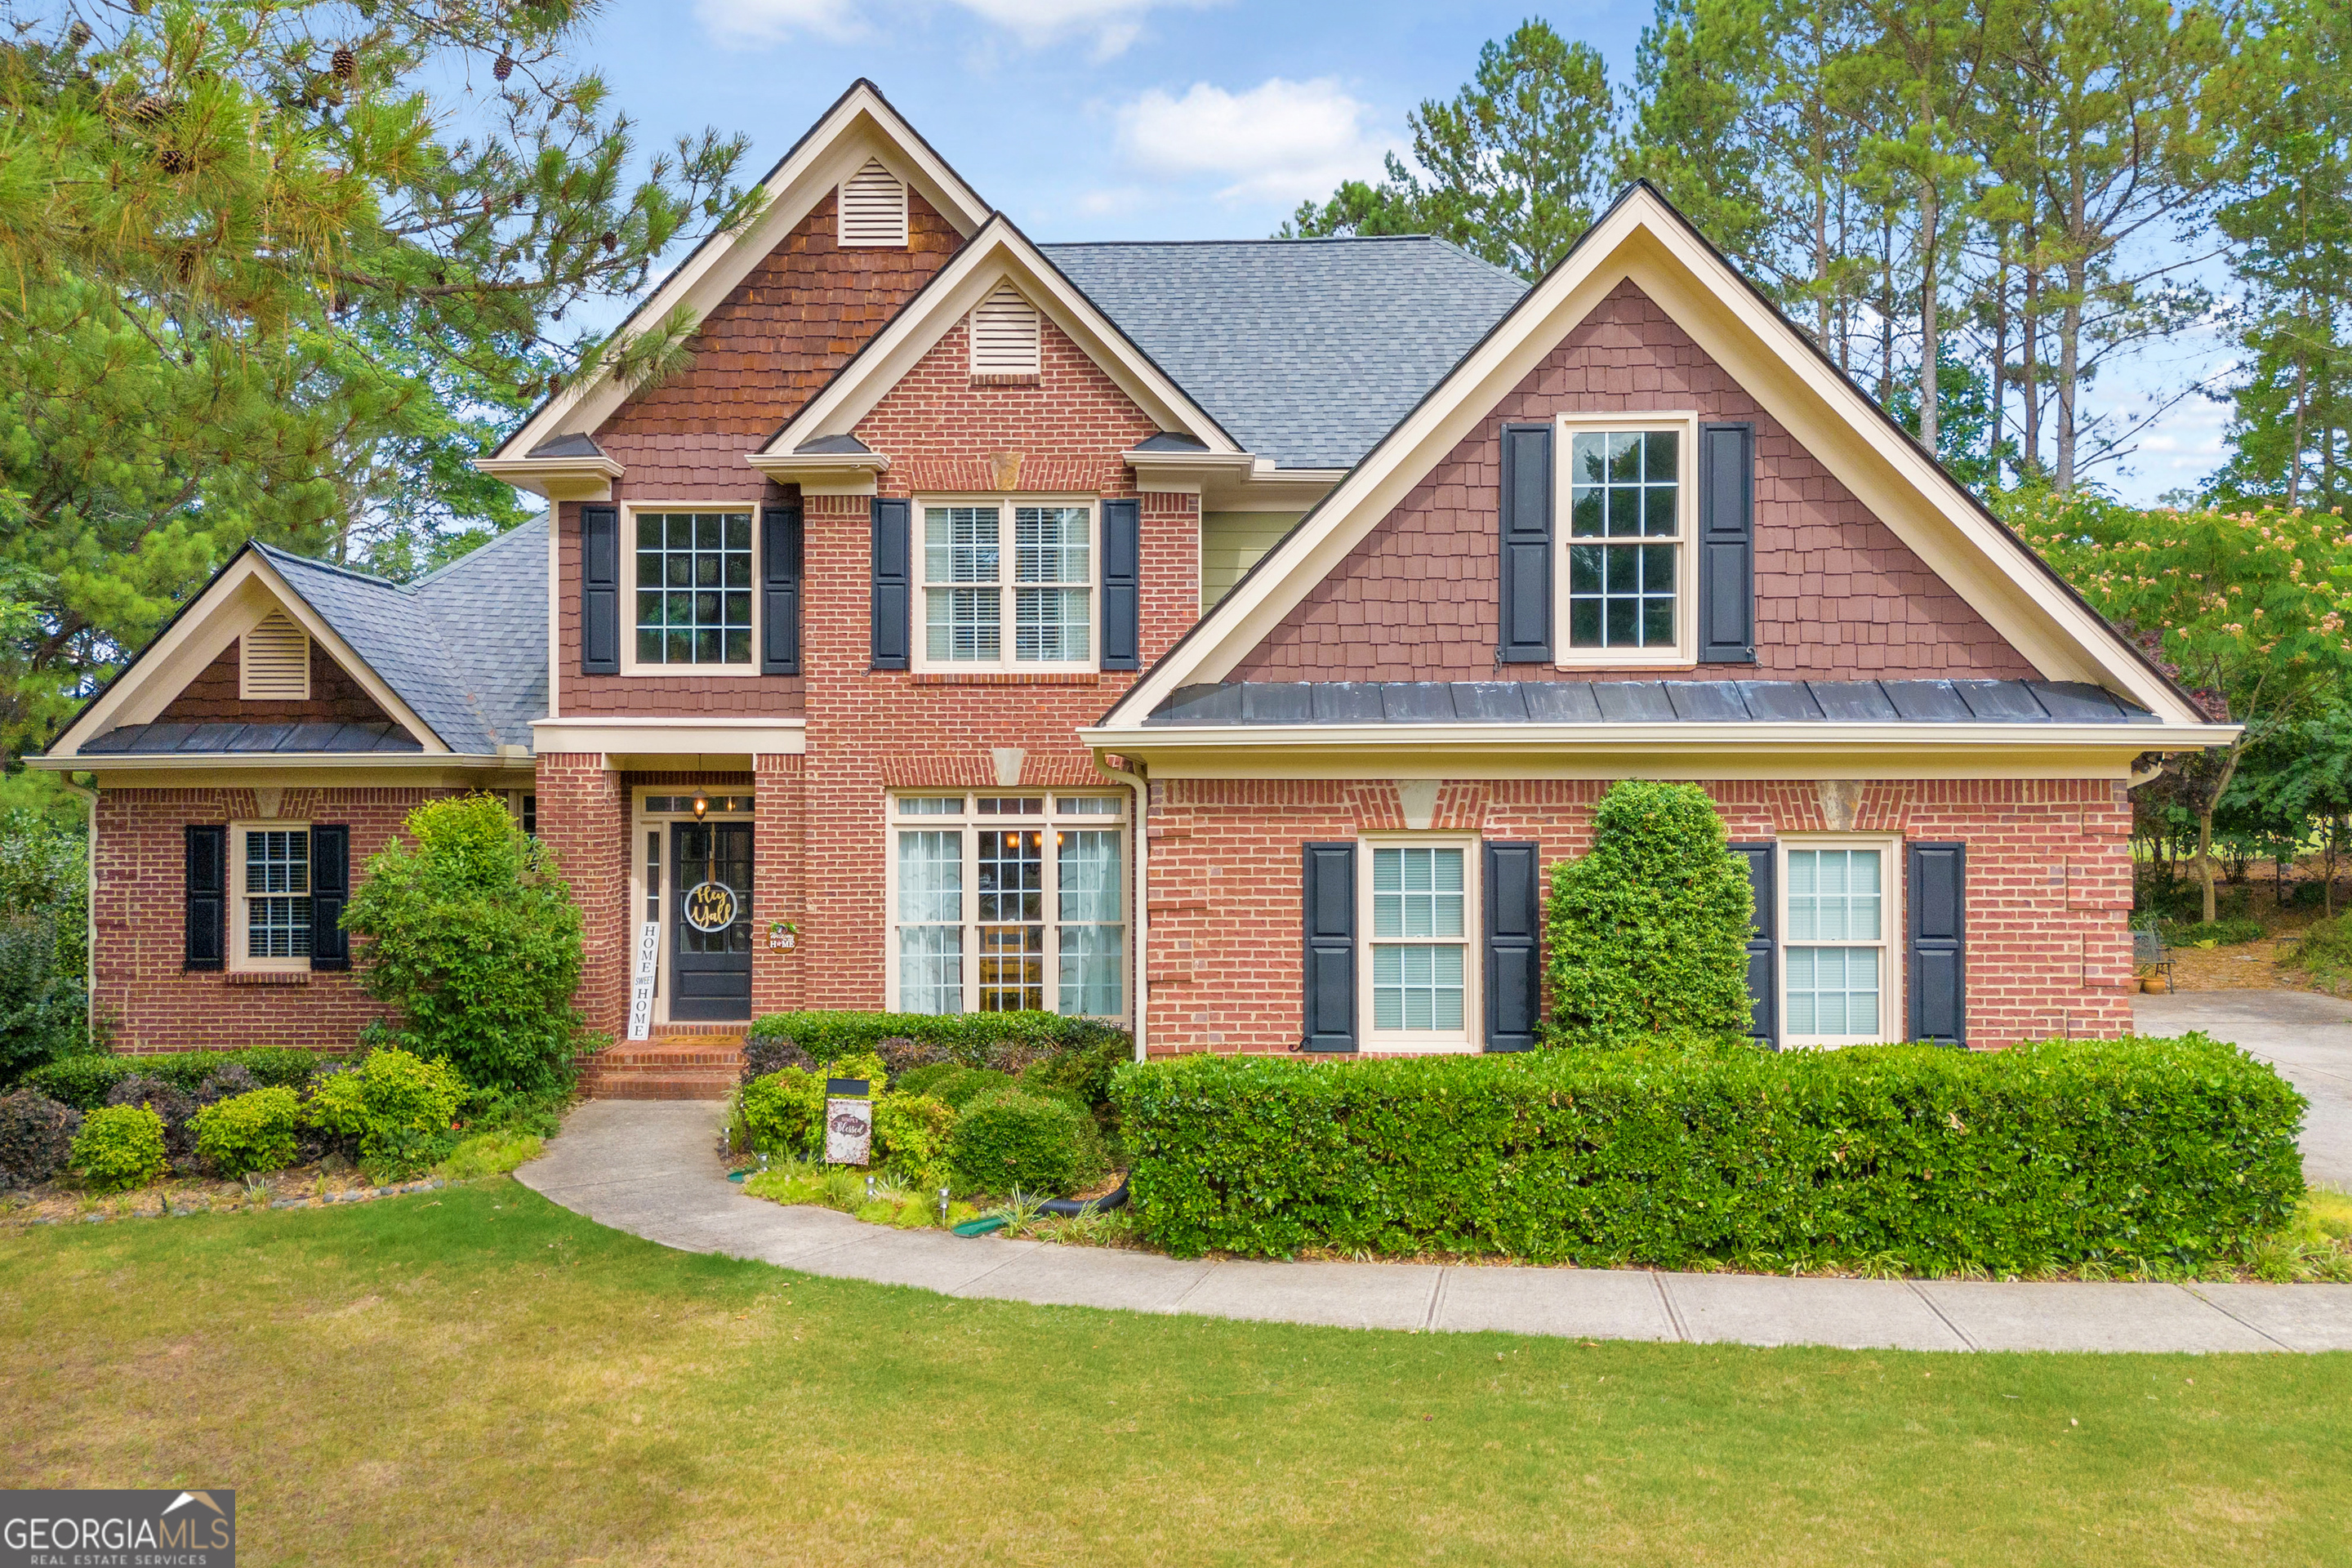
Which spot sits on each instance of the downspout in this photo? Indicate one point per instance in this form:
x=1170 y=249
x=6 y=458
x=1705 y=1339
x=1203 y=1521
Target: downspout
x=1135 y=781
x=88 y=914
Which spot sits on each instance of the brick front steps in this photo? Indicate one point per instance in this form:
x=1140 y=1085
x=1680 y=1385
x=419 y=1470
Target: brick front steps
x=673 y=1067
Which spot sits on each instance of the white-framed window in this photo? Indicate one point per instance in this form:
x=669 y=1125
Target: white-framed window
x=692 y=570
x=1007 y=584
x=1003 y=899
x=873 y=207
x=1625 y=586
x=1417 y=968
x=1005 y=334
x=1841 y=972
x=269 y=923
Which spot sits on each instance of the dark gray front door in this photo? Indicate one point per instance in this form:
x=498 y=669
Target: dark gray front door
x=709 y=971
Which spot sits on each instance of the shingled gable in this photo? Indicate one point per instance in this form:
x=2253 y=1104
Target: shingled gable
x=860 y=126
x=998 y=254
x=1644 y=240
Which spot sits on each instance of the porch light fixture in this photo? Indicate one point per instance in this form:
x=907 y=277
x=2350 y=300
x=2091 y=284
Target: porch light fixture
x=701 y=806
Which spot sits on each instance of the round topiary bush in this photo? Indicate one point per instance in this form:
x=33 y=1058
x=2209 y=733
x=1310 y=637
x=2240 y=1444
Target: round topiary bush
x=1010 y=1141
x=35 y=1135
x=1647 y=932
x=258 y=1131
x=120 y=1147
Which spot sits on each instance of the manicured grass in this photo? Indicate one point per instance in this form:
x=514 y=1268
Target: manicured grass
x=477 y=1376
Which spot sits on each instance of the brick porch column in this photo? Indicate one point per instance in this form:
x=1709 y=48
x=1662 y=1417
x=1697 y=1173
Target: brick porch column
x=584 y=816
x=777 y=790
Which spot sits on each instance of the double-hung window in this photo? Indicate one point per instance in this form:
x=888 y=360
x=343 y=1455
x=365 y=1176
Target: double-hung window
x=1419 y=974
x=694 y=598
x=1008 y=585
x=1627 y=585
x=1006 y=901
x=272 y=882
x=1840 y=976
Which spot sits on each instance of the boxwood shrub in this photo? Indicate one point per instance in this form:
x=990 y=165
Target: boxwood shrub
x=2175 y=1152
x=1008 y=1141
x=1003 y=1041
x=249 y=1132
x=120 y=1147
x=84 y=1082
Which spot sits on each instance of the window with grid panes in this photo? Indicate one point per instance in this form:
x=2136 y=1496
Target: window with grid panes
x=694 y=588
x=1624 y=539
x=1420 y=940
x=274 y=888
x=1008 y=585
x=1835 y=963
x=1008 y=901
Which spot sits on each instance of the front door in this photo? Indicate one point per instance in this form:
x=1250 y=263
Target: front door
x=710 y=925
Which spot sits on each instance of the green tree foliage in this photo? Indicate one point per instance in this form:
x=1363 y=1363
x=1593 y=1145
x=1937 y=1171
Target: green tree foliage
x=2252 y=609
x=279 y=268
x=44 y=942
x=1646 y=933
x=1510 y=170
x=472 y=937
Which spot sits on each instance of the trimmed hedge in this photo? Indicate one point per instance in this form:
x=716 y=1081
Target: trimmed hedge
x=84 y=1082
x=1005 y=1041
x=1009 y=1141
x=2050 y=1155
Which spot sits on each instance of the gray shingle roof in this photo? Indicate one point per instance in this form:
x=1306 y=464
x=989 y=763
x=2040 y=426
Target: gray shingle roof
x=466 y=647
x=1644 y=702
x=1306 y=351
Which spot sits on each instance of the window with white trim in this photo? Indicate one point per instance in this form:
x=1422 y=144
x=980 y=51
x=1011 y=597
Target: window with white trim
x=1840 y=975
x=1005 y=334
x=1626 y=591
x=693 y=575
x=1419 y=974
x=873 y=207
x=1008 y=585
x=1008 y=900
x=270 y=925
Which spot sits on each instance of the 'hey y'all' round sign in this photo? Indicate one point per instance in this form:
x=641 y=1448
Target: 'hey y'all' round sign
x=710 y=906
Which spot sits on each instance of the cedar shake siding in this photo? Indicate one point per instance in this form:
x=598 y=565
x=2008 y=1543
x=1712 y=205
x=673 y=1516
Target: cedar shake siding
x=211 y=698
x=2048 y=886
x=1837 y=594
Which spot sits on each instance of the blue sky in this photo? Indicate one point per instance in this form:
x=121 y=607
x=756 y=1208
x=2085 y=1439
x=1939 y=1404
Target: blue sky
x=1153 y=119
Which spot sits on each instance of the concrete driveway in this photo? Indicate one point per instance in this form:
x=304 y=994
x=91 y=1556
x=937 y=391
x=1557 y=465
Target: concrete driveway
x=2309 y=1038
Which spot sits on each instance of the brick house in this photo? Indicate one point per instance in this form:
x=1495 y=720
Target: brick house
x=1220 y=637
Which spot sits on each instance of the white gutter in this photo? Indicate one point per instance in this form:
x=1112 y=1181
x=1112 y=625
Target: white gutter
x=1142 y=948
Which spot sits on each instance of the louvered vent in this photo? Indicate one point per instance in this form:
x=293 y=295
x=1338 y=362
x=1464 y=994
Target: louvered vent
x=1005 y=334
x=874 y=206
x=274 y=665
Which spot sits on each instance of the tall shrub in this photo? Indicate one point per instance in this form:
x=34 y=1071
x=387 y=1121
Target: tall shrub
x=473 y=936
x=44 y=943
x=1647 y=933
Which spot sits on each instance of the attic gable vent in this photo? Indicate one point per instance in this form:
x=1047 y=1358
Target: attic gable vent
x=1005 y=334
x=274 y=661
x=874 y=206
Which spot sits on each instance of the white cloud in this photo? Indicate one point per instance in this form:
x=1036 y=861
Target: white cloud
x=1112 y=201
x=1280 y=140
x=755 y=23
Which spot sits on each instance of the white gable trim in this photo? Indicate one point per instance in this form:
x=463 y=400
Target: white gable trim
x=860 y=128
x=998 y=254
x=235 y=601
x=1643 y=239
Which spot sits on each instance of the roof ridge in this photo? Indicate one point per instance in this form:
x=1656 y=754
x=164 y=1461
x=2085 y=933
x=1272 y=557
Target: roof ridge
x=275 y=553
x=1468 y=254
x=1264 y=239
x=492 y=542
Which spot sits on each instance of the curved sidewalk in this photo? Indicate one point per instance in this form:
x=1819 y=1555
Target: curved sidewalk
x=651 y=1167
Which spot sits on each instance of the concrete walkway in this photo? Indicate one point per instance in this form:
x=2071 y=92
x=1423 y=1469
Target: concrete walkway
x=2307 y=1038
x=651 y=1167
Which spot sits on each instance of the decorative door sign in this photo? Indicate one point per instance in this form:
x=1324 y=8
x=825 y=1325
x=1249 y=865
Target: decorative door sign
x=710 y=906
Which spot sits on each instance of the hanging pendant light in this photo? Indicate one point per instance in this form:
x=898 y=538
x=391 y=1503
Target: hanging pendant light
x=701 y=806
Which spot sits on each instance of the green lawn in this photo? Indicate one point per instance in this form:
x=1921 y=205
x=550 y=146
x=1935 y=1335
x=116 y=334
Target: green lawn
x=479 y=1377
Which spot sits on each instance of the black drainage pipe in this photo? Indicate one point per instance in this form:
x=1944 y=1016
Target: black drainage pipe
x=1071 y=1208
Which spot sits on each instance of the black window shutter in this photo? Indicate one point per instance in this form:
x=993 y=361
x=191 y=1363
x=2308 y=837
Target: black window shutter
x=600 y=589
x=1939 y=898
x=331 y=890
x=1122 y=585
x=1526 y=525
x=893 y=584
x=206 y=945
x=780 y=590
x=1763 y=991
x=1514 y=899
x=1330 y=930
x=1726 y=544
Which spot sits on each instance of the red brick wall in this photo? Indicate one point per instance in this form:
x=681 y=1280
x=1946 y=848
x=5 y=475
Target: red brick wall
x=211 y=696
x=1838 y=596
x=583 y=817
x=140 y=910
x=2049 y=887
